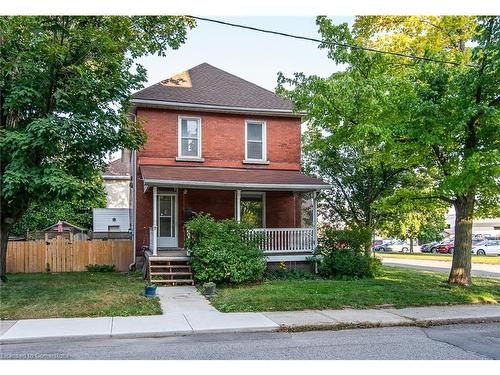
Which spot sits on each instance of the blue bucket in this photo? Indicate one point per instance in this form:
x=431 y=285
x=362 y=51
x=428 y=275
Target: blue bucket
x=150 y=291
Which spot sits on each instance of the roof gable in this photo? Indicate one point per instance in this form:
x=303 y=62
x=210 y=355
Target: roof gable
x=207 y=85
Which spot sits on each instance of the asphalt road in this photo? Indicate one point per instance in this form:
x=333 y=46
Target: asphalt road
x=478 y=269
x=473 y=341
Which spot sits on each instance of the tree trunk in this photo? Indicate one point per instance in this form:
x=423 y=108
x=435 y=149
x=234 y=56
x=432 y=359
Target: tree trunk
x=461 y=265
x=4 y=240
x=411 y=244
x=368 y=249
x=369 y=243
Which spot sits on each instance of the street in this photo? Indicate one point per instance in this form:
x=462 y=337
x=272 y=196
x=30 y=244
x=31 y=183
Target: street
x=472 y=341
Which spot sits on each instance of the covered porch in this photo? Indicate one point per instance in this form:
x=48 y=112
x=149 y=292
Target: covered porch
x=280 y=205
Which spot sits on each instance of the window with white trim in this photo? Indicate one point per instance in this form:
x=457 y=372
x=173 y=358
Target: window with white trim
x=255 y=139
x=190 y=137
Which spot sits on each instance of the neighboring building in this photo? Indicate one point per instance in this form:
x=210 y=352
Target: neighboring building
x=221 y=145
x=61 y=228
x=480 y=227
x=115 y=218
x=117 y=181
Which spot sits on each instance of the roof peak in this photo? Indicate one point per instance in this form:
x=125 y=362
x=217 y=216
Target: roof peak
x=209 y=85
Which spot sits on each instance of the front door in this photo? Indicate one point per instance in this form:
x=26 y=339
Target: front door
x=167 y=212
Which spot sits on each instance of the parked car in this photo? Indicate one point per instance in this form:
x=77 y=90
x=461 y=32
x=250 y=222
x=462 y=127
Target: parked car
x=449 y=246
x=394 y=246
x=487 y=247
x=445 y=247
x=428 y=247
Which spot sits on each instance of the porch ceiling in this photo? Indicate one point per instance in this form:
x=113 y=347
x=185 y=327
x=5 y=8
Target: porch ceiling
x=229 y=178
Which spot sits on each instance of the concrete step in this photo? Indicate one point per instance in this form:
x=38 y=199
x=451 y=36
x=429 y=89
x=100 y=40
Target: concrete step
x=174 y=281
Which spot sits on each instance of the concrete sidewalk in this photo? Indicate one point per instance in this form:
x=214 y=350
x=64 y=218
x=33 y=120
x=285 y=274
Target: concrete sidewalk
x=386 y=317
x=176 y=324
x=186 y=312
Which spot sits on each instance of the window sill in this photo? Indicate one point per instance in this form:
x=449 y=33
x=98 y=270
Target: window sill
x=184 y=158
x=265 y=162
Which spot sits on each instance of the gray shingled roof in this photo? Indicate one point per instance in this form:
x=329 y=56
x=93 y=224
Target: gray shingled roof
x=208 y=85
x=192 y=176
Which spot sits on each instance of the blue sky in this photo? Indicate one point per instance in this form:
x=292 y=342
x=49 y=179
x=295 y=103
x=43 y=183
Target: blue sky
x=254 y=56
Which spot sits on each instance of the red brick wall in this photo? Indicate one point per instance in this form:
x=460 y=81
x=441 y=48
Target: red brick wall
x=282 y=209
x=144 y=214
x=223 y=139
x=223 y=145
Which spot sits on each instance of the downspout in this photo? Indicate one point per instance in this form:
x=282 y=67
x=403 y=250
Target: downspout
x=315 y=228
x=133 y=192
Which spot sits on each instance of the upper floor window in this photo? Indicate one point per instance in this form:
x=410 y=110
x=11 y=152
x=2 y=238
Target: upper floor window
x=255 y=141
x=190 y=137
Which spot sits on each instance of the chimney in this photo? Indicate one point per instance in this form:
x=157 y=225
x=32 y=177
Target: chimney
x=126 y=156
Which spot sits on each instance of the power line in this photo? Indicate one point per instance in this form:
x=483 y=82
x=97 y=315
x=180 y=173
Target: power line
x=428 y=59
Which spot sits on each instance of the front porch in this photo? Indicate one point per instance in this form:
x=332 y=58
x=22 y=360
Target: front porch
x=171 y=266
x=278 y=244
x=279 y=204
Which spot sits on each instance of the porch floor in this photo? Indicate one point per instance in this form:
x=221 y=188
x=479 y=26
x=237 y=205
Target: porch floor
x=170 y=253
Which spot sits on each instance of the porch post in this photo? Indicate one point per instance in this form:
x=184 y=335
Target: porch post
x=315 y=220
x=238 y=199
x=155 y=224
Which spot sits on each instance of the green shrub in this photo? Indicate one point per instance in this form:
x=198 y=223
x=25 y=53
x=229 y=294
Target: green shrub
x=100 y=267
x=219 y=252
x=343 y=256
x=285 y=274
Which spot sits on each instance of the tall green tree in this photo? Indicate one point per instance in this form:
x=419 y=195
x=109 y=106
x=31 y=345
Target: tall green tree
x=64 y=94
x=357 y=184
x=41 y=215
x=412 y=218
x=439 y=119
x=343 y=143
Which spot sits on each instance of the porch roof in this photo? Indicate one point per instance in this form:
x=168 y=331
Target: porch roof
x=229 y=178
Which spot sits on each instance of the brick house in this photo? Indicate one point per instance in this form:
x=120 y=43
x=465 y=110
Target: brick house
x=221 y=145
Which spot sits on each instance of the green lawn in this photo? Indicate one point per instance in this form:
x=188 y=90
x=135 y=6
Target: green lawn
x=45 y=295
x=395 y=286
x=441 y=257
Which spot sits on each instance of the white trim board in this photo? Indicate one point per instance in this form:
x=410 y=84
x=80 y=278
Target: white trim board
x=287 y=258
x=263 y=142
x=214 y=108
x=230 y=185
x=179 y=139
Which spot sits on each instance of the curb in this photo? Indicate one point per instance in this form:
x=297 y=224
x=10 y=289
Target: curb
x=366 y=325
x=283 y=328
x=134 y=335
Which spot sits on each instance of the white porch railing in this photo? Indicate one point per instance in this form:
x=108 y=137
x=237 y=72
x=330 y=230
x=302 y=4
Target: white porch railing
x=153 y=240
x=272 y=240
x=286 y=240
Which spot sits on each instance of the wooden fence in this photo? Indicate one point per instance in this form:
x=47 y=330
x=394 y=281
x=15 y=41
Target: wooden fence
x=62 y=254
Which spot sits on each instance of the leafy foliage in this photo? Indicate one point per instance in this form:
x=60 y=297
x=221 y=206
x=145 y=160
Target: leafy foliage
x=344 y=144
x=411 y=217
x=64 y=97
x=437 y=121
x=343 y=254
x=100 y=267
x=286 y=274
x=221 y=251
x=40 y=215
